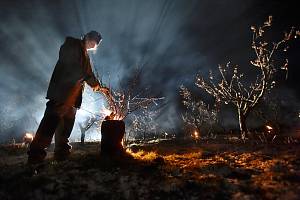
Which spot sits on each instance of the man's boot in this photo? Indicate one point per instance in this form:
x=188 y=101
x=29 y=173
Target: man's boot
x=62 y=152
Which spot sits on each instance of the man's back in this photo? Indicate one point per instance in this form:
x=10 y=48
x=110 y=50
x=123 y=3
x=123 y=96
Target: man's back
x=66 y=81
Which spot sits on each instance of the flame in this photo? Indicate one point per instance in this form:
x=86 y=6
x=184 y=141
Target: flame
x=122 y=143
x=115 y=116
x=106 y=112
x=269 y=127
x=196 y=135
x=110 y=115
x=28 y=137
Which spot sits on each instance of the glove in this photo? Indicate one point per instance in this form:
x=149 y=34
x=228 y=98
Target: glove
x=103 y=90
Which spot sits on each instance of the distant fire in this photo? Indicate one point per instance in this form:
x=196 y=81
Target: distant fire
x=27 y=139
x=269 y=128
x=196 y=135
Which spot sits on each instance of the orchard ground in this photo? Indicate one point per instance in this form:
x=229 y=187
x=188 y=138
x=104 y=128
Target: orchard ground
x=166 y=169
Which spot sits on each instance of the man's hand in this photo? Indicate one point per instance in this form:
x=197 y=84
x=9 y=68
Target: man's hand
x=103 y=90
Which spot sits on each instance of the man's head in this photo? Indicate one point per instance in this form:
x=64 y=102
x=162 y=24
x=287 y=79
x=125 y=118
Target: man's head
x=92 y=40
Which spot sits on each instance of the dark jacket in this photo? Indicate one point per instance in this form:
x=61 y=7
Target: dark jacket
x=72 y=69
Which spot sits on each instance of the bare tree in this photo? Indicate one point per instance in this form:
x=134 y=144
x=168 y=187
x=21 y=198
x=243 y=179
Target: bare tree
x=231 y=89
x=85 y=126
x=126 y=101
x=133 y=100
x=278 y=112
x=143 y=124
x=198 y=115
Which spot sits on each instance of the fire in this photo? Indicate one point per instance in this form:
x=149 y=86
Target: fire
x=110 y=115
x=196 y=135
x=106 y=112
x=28 y=137
x=117 y=117
x=269 y=128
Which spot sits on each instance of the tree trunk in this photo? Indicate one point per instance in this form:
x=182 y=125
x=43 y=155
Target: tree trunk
x=242 y=123
x=82 y=138
x=112 y=132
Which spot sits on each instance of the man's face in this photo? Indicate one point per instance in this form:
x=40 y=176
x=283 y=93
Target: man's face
x=92 y=45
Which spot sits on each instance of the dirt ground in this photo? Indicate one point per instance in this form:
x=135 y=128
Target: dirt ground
x=164 y=170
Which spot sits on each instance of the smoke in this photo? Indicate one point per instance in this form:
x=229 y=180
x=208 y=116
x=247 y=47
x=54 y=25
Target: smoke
x=170 y=40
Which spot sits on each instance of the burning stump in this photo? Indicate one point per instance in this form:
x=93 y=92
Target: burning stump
x=112 y=132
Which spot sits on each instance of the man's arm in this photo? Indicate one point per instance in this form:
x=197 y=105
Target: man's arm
x=92 y=81
x=90 y=77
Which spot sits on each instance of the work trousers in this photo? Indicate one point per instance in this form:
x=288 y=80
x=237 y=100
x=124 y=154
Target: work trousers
x=59 y=119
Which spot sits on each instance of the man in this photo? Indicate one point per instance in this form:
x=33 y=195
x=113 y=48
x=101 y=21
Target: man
x=71 y=71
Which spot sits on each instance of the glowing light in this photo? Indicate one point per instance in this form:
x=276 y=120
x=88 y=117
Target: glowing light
x=110 y=115
x=28 y=137
x=117 y=117
x=105 y=111
x=196 y=135
x=95 y=47
x=269 y=127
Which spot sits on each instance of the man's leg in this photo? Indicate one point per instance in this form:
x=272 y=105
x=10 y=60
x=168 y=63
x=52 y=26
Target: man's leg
x=43 y=135
x=63 y=132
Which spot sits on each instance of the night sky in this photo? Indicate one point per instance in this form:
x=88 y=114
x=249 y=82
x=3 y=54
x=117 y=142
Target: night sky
x=170 y=40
